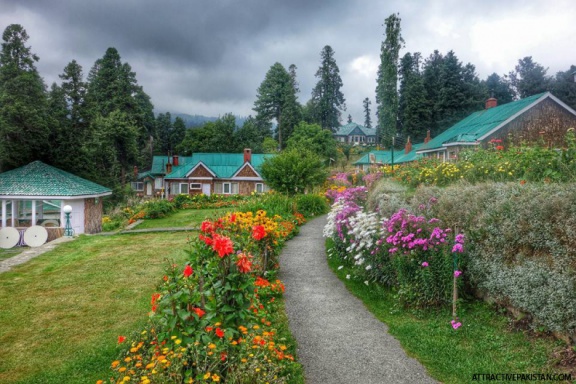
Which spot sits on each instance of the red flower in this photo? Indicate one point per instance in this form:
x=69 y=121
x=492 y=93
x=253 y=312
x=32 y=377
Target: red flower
x=499 y=148
x=121 y=339
x=199 y=312
x=219 y=333
x=155 y=297
x=258 y=232
x=165 y=278
x=244 y=264
x=223 y=356
x=206 y=227
x=209 y=329
x=233 y=218
x=260 y=282
x=188 y=270
x=223 y=245
x=207 y=240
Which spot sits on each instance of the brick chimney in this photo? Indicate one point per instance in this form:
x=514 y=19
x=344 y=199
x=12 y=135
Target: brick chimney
x=168 y=167
x=491 y=103
x=135 y=171
x=408 y=147
x=428 y=138
x=247 y=155
x=175 y=160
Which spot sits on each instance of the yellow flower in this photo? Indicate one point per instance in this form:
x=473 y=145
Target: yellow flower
x=207 y=376
x=215 y=378
x=212 y=346
x=178 y=341
x=173 y=337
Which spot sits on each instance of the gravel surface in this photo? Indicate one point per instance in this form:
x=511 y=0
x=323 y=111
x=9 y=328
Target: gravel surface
x=339 y=340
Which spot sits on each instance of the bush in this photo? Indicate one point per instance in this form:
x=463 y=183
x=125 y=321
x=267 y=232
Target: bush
x=312 y=205
x=154 y=209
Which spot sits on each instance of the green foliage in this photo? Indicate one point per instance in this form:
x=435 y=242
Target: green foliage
x=293 y=171
x=276 y=99
x=564 y=86
x=157 y=208
x=521 y=244
x=529 y=78
x=24 y=116
x=311 y=205
x=367 y=117
x=217 y=136
x=499 y=88
x=315 y=139
x=327 y=98
x=387 y=81
x=413 y=108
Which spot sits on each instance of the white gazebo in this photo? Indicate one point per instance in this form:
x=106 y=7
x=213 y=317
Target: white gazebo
x=36 y=194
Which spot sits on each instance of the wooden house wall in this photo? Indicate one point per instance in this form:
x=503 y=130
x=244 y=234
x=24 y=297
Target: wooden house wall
x=544 y=124
x=92 y=215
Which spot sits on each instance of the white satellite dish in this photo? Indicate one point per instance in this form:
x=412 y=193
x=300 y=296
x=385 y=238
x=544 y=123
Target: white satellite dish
x=9 y=237
x=35 y=236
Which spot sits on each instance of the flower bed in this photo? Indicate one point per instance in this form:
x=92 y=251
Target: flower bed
x=214 y=319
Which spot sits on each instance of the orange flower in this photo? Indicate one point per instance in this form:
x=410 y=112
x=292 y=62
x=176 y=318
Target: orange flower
x=121 y=339
x=199 y=312
x=244 y=264
x=188 y=270
x=260 y=282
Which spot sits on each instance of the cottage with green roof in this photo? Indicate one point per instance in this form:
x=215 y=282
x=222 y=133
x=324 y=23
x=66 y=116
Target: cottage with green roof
x=381 y=158
x=356 y=134
x=538 y=118
x=207 y=173
x=36 y=194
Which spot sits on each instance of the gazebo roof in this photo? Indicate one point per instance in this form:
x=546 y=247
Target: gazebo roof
x=41 y=180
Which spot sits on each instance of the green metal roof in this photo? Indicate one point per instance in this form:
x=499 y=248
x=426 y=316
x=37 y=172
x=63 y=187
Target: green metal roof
x=385 y=157
x=39 y=179
x=159 y=163
x=223 y=165
x=478 y=124
x=345 y=130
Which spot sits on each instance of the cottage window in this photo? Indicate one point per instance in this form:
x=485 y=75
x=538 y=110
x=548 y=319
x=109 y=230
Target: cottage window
x=261 y=188
x=195 y=186
x=158 y=183
x=138 y=186
x=183 y=188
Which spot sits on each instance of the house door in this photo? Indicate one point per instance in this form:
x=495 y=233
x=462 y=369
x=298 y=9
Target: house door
x=206 y=189
x=149 y=189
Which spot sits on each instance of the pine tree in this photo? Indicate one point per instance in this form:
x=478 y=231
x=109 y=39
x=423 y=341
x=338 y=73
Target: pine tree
x=276 y=100
x=387 y=81
x=327 y=98
x=349 y=120
x=413 y=110
x=499 y=88
x=164 y=128
x=529 y=78
x=431 y=75
x=178 y=132
x=564 y=86
x=24 y=128
x=367 y=117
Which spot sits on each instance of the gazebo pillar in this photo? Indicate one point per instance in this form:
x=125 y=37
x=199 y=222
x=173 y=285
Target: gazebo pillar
x=3 y=213
x=33 y=219
x=13 y=213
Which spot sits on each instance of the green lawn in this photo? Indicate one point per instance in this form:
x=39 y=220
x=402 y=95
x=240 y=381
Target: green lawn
x=484 y=343
x=7 y=253
x=186 y=218
x=62 y=311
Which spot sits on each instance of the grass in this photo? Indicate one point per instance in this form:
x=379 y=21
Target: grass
x=62 y=311
x=8 y=253
x=484 y=343
x=185 y=218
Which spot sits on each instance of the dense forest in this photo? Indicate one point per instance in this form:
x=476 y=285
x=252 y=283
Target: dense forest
x=101 y=125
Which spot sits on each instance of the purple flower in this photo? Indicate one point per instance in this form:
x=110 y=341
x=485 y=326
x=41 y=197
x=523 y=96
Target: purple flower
x=457 y=273
x=455 y=324
x=458 y=248
x=459 y=238
x=425 y=264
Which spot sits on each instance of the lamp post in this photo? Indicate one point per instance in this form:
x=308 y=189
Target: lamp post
x=68 y=231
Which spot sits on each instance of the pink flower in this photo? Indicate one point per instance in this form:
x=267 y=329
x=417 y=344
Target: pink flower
x=458 y=248
x=425 y=264
x=457 y=273
x=455 y=324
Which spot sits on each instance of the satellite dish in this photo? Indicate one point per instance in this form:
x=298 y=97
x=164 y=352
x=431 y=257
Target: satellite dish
x=9 y=237
x=35 y=236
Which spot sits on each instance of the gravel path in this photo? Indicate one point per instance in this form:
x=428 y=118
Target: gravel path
x=339 y=340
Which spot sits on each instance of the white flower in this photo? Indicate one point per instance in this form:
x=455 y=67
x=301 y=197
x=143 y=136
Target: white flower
x=340 y=267
x=368 y=267
x=366 y=282
x=348 y=277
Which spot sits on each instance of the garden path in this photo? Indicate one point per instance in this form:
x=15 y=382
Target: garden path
x=339 y=340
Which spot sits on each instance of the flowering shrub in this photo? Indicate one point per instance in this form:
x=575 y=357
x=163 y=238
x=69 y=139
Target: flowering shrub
x=412 y=254
x=211 y=319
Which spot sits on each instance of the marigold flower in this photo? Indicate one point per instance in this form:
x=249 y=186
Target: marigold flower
x=258 y=232
x=215 y=378
x=121 y=339
x=244 y=264
x=115 y=363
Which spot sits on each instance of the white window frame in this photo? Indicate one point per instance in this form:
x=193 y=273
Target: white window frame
x=195 y=186
x=233 y=188
x=137 y=186
x=180 y=189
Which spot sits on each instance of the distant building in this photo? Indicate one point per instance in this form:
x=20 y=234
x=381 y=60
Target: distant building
x=381 y=158
x=207 y=173
x=356 y=134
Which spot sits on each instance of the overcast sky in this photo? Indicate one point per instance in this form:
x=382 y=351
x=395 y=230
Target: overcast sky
x=208 y=57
